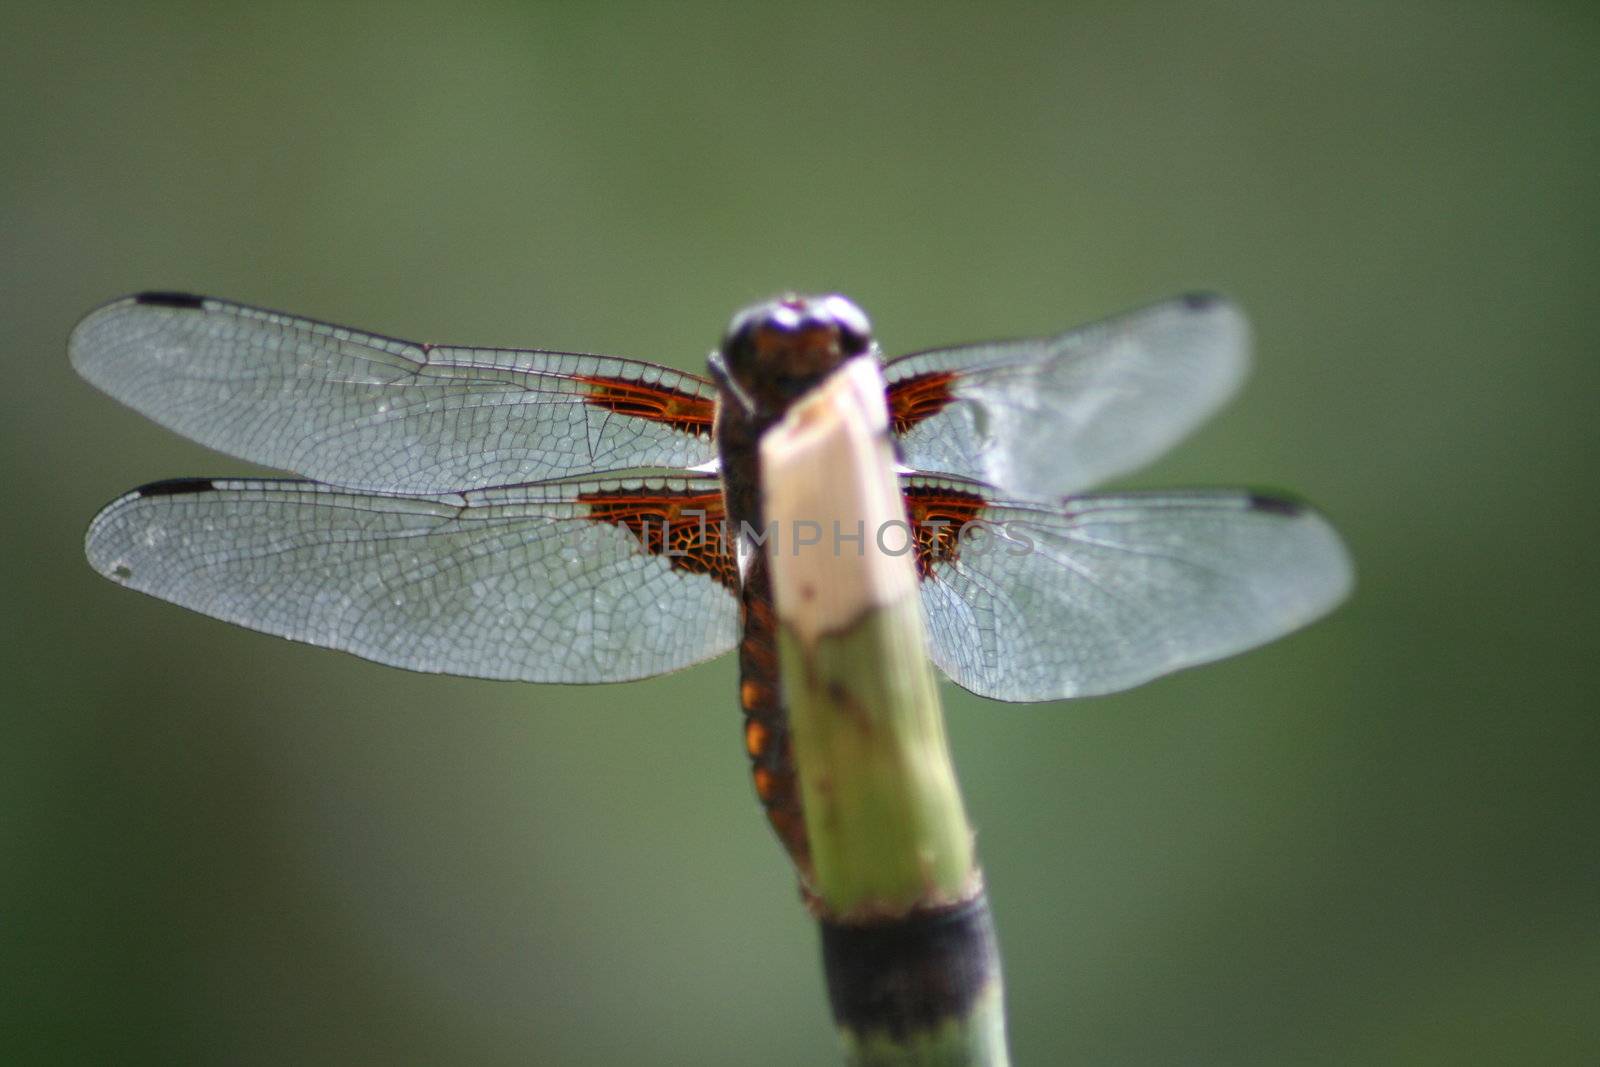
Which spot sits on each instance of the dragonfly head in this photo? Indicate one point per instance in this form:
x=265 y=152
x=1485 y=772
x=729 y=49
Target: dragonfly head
x=774 y=352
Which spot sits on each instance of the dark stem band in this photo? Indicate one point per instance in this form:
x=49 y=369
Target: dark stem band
x=909 y=975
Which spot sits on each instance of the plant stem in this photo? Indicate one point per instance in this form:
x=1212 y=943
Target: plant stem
x=908 y=945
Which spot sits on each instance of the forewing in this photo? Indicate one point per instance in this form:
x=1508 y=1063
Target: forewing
x=1106 y=592
x=1045 y=417
x=564 y=582
x=374 y=413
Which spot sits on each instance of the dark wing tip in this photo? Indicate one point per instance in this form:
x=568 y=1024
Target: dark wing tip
x=1278 y=504
x=176 y=487
x=169 y=299
x=1202 y=301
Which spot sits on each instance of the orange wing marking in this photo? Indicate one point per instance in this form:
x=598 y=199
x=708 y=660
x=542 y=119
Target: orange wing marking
x=670 y=523
x=937 y=515
x=919 y=397
x=682 y=411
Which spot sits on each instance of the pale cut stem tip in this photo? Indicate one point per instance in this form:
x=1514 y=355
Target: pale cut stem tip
x=843 y=545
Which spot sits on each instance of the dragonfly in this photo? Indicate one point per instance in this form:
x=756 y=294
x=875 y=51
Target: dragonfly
x=564 y=517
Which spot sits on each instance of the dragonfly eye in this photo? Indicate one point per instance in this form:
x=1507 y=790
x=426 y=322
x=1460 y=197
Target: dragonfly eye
x=798 y=321
x=777 y=350
x=851 y=323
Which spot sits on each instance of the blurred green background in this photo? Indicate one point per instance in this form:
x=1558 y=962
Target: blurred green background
x=1373 y=842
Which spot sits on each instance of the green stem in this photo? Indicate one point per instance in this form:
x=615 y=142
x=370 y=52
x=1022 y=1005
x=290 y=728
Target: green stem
x=908 y=945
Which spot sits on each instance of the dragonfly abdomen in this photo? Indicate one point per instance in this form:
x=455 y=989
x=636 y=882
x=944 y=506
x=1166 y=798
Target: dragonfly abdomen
x=766 y=720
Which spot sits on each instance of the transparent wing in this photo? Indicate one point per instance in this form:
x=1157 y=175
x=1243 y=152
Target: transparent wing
x=541 y=583
x=1107 y=592
x=1046 y=417
x=370 y=412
